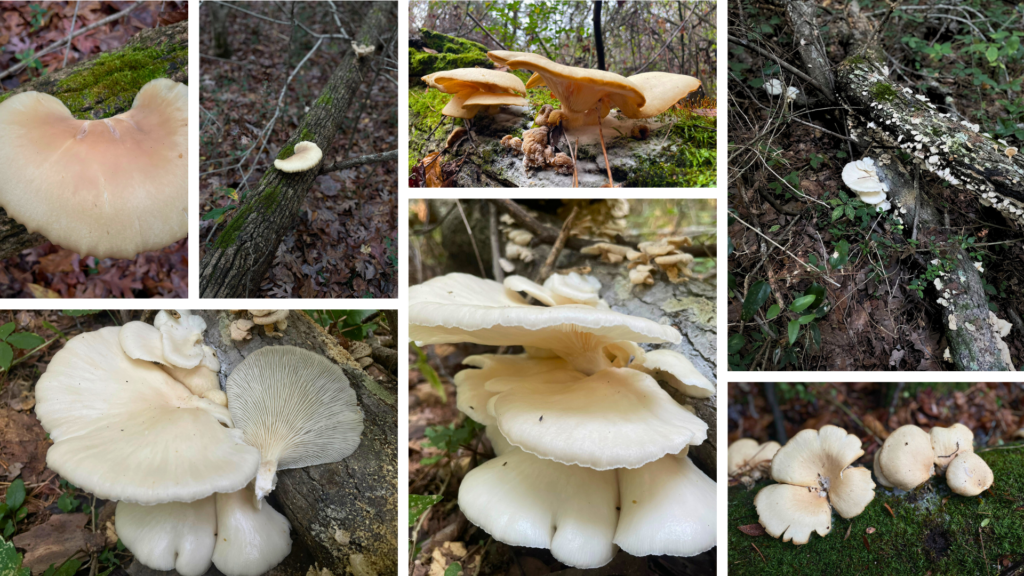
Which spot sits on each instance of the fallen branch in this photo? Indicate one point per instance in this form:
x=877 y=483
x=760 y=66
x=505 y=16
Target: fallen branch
x=556 y=248
x=353 y=162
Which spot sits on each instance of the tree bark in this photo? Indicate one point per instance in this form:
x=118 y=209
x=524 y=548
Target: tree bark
x=598 y=35
x=348 y=508
x=235 y=264
x=218 y=21
x=88 y=92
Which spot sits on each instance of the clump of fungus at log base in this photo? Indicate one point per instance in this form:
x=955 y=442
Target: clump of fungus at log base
x=559 y=481
x=910 y=456
x=108 y=188
x=137 y=415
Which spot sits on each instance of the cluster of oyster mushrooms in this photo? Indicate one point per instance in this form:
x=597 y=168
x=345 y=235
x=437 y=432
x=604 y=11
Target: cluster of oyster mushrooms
x=107 y=188
x=137 y=415
x=815 y=473
x=665 y=254
x=241 y=329
x=591 y=451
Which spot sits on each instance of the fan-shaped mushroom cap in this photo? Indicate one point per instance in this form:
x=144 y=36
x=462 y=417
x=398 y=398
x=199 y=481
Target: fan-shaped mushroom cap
x=464 y=308
x=471 y=394
x=907 y=458
x=456 y=107
x=559 y=290
x=125 y=430
x=617 y=418
x=296 y=407
x=668 y=507
x=661 y=91
x=144 y=342
x=307 y=155
x=501 y=57
x=793 y=512
x=861 y=177
x=250 y=540
x=174 y=536
x=969 y=475
x=182 y=337
x=746 y=454
x=105 y=188
x=522 y=500
x=579 y=89
x=498 y=442
x=678 y=371
x=270 y=317
x=948 y=443
x=492 y=99
x=485 y=80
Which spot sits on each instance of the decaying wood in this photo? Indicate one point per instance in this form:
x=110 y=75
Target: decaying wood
x=235 y=264
x=98 y=103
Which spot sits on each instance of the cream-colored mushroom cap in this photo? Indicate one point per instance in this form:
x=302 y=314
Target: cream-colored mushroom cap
x=679 y=372
x=948 y=443
x=522 y=500
x=668 y=507
x=295 y=406
x=501 y=57
x=307 y=155
x=123 y=429
x=464 y=308
x=144 y=342
x=969 y=475
x=617 y=418
x=492 y=99
x=106 y=188
x=176 y=536
x=483 y=79
x=747 y=454
x=182 y=337
x=878 y=471
x=579 y=89
x=471 y=394
x=559 y=290
x=907 y=458
x=661 y=91
x=250 y=539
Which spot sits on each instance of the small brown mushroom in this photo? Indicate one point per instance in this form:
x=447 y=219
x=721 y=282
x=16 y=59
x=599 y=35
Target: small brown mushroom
x=563 y=164
x=536 y=152
x=641 y=275
x=605 y=250
x=240 y=329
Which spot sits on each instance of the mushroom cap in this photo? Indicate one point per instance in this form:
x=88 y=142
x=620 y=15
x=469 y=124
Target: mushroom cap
x=105 y=188
x=861 y=177
x=581 y=89
x=948 y=443
x=824 y=458
x=250 y=540
x=878 y=472
x=969 y=475
x=522 y=500
x=498 y=442
x=793 y=512
x=464 y=308
x=668 y=507
x=485 y=80
x=182 y=337
x=907 y=458
x=142 y=341
x=617 y=418
x=678 y=371
x=492 y=99
x=270 y=317
x=307 y=155
x=501 y=57
x=559 y=290
x=471 y=394
x=746 y=454
x=456 y=107
x=174 y=536
x=295 y=406
x=125 y=430
x=661 y=91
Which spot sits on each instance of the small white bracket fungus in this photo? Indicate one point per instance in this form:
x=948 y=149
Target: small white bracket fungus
x=749 y=458
x=641 y=275
x=106 y=188
x=173 y=536
x=182 y=337
x=815 y=475
x=240 y=329
x=250 y=540
x=109 y=414
x=362 y=50
x=774 y=87
x=677 y=370
x=861 y=177
x=907 y=458
x=307 y=155
x=295 y=406
x=969 y=475
x=948 y=443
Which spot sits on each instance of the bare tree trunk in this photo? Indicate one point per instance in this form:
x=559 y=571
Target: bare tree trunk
x=218 y=21
x=598 y=35
x=235 y=264
x=98 y=99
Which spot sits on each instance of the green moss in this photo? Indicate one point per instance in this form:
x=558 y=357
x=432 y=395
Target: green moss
x=270 y=198
x=115 y=78
x=423 y=63
x=289 y=150
x=230 y=234
x=691 y=163
x=883 y=92
x=445 y=44
x=855 y=60
x=325 y=100
x=934 y=531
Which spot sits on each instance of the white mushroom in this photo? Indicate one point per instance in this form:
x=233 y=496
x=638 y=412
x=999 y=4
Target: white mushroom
x=749 y=458
x=250 y=539
x=861 y=177
x=678 y=371
x=948 y=443
x=969 y=475
x=174 y=536
x=307 y=155
x=907 y=458
x=295 y=406
x=183 y=337
x=472 y=396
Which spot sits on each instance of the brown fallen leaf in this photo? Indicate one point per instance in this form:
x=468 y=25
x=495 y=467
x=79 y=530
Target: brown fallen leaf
x=753 y=530
x=62 y=537
x=890 y=510
x=42 y=291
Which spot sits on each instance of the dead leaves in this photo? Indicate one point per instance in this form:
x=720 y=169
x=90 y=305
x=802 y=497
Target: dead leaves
x=63 y=536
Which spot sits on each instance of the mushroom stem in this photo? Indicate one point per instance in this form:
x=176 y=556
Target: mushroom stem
x=588 y=360
x=266 y=479
x=600 y=133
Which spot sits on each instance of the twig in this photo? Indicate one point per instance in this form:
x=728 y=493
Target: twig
x=499 y=273
x=759 y=553
x=19 y=67
x=556 y=248
x=495 y=40
x=783 y=64
x=607 y=164
x=74 y=19
x=368 y=159
x=795 y=257
x=429 y=229
x=472 y=240
x=665 y=45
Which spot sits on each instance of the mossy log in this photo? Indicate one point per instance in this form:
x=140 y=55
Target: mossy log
x=102 y=87
x=240 y=256
x=929 y=530
x=345 y=514
x=447 y=53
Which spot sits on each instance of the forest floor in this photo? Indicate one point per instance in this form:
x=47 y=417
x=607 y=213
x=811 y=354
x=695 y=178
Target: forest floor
x=343 y=243
x=789 y=207
x=927 y=530
x=48 y=271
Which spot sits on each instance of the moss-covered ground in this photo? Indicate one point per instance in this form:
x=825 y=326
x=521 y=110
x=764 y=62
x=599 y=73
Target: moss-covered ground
x=933 y=531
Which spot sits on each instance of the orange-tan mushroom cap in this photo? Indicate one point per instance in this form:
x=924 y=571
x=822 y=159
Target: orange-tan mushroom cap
x=580 y=89
x=660 y=89
x=451 y=81
x=491 y=99
x=106 y=188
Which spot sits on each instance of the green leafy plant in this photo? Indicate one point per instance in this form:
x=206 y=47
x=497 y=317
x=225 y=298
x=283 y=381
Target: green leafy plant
x=449 y=438
x=423 y=365
x=19 y=340
x=419 y=504
x=348 y=322
x=13 y=509
x=10 y=561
